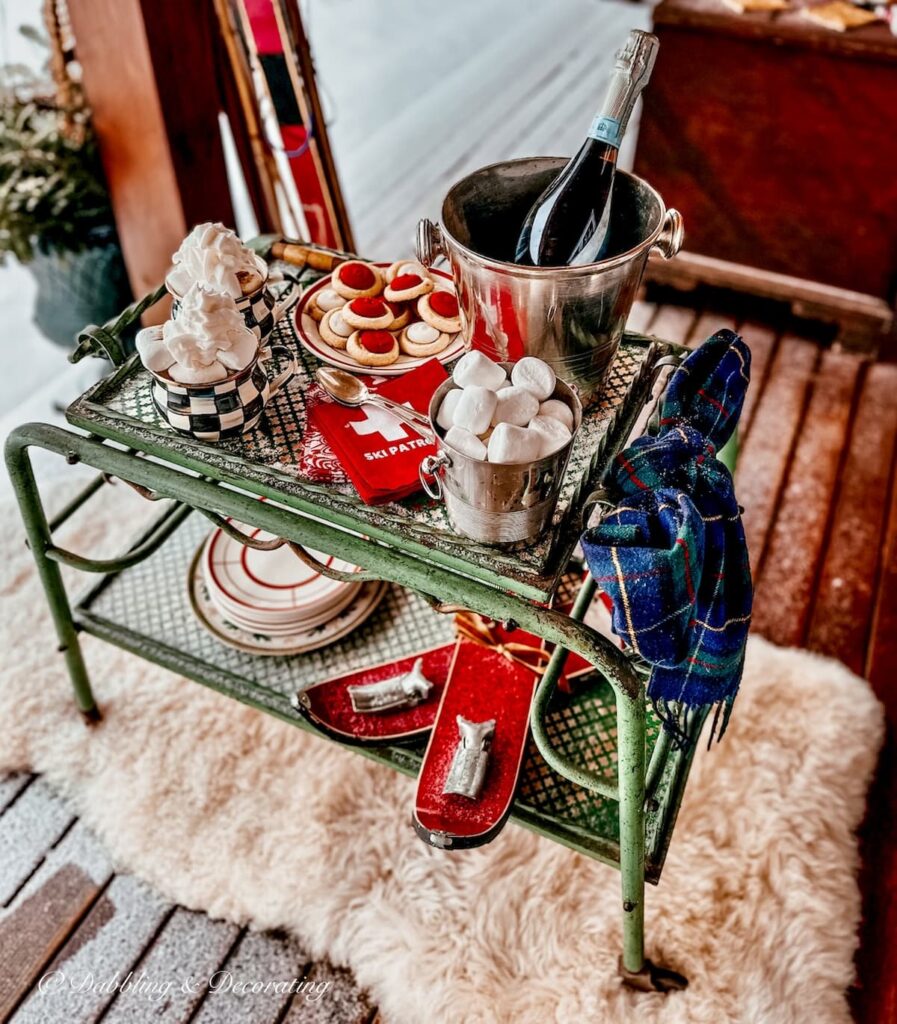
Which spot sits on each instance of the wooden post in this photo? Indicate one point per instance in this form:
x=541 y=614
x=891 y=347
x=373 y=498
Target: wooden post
x=150 y=77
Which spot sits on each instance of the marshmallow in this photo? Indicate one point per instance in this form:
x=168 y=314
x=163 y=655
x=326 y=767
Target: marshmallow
x=475 y=408
x=240 y=354
x=475 y=368
x=535 y=376
x=445 y=417
x=509 y=444
x=197 y=374
x=468 y=444
x=153 y=351
x=515 y=405
x=552 y=433
x=557 y=410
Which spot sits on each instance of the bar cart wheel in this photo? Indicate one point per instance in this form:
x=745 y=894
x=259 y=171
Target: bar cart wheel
x=653 y=978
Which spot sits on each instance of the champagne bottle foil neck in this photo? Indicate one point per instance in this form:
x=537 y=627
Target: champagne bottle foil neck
x=637 y=57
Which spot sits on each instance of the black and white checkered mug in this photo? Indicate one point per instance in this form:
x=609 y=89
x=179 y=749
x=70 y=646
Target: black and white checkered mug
x=225 y=408
x=260 y=309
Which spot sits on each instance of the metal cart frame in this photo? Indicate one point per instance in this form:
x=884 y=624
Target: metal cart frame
x=646 y=789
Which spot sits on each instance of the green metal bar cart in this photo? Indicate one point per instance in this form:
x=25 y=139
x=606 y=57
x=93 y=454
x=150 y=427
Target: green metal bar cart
x=599 y=775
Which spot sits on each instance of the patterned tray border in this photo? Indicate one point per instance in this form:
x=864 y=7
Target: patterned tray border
x=269 y=460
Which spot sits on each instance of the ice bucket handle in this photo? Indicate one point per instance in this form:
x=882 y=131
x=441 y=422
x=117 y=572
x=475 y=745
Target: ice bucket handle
x=430 y=473
x=671 y=236
x=430 y=244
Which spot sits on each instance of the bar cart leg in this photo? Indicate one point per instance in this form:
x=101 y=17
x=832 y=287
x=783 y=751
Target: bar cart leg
x=635 y=970
x=39 y=541
x=631 y=781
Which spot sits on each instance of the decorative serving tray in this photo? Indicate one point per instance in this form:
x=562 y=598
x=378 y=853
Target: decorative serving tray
x=271 y=461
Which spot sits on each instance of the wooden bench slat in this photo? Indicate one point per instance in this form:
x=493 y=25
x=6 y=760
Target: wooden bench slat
x=762 y=342
x=491 y=134
x=673 y=323
x=842 y=612
x=784 y=589
x=881 y=661
x=640 y=316
x=11 y=786
x=875 y=998
x=46 y=911
x=381 y=167
x=187 y=952
x=259 y=957
x=105 y=946
x=27 y=831
x=707 y=324
x=340 y=1002
x=765 y=457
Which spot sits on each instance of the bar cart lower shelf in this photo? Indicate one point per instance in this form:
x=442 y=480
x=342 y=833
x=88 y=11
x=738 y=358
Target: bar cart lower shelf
x=146 y=610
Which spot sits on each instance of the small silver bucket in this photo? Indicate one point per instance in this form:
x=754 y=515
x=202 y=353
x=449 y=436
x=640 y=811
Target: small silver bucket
x=572 y=317
x=490 y=502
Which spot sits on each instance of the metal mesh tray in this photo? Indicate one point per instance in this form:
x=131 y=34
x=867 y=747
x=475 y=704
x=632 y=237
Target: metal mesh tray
x=268 y=461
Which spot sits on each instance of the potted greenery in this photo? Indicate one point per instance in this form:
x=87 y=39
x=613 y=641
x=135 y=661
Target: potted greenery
x=55 y=214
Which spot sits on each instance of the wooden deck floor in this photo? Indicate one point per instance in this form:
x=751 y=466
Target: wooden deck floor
x=66 y=910
x=816 y=477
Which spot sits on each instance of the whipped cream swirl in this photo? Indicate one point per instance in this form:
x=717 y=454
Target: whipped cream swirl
x=206 y=342
x=212 y=255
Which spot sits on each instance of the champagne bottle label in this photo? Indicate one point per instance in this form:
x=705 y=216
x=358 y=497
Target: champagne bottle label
x=607 y=129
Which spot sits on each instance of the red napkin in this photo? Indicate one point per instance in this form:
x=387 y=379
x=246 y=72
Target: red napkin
x=381 y=455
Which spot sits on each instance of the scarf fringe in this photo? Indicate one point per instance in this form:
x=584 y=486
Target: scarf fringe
x=674 y=720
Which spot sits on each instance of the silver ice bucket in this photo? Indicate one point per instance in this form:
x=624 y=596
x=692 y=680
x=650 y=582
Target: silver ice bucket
x=572 y=317
x=492 y=502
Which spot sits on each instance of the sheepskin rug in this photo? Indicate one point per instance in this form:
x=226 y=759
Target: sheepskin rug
x=230 y=811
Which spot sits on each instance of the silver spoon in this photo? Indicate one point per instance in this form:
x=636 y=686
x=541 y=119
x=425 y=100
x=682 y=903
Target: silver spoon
x=347 y=389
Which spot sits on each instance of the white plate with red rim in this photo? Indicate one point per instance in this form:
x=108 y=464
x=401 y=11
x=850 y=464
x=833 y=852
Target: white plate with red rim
x=307 y=329
x=271 y=588
x=300 y=640
x=274 y=626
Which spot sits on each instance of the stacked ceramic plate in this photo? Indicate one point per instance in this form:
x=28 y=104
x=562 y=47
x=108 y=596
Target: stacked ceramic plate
x=271 y=601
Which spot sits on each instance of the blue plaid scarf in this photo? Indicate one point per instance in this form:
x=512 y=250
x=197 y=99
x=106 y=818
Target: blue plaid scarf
x=671 y=554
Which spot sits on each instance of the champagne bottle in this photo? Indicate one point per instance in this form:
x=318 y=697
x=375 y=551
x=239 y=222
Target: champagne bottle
x=568 y=223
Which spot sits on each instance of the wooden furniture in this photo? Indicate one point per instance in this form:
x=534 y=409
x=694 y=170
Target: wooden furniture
x=777 y=139
x=150 y=77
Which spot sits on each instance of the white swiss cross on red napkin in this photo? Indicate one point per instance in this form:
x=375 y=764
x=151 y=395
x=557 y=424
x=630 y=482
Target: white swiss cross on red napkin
x=380 y=454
